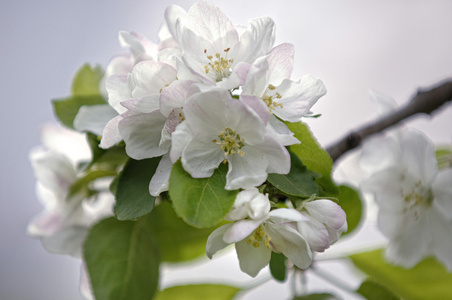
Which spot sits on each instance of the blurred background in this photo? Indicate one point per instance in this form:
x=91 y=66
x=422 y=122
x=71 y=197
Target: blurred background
x=395 y=47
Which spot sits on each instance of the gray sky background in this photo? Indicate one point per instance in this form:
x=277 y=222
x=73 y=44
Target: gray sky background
x=392 y=46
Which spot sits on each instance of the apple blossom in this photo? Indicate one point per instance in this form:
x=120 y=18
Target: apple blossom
x=415 y=211
x=257 y=232
x=219 y=128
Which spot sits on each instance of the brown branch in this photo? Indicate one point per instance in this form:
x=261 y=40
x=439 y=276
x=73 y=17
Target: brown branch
x=425 y=102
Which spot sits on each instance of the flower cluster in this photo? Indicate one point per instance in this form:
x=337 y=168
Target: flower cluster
x=210 y=92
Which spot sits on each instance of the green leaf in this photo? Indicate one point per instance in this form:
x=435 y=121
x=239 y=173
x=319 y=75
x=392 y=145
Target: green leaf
x=132 y=191
x=278 y=266
x=374 y=291
x=201 y=202
x=122 y=260
x=322 y=296
x=299 y=182
x=197 y=292
x=67 y=108
x=177 y=240
x=444 y=156
x=86 y=80
x=427 y=280
x=350 y=201
x=314 y=157
x=110 y=158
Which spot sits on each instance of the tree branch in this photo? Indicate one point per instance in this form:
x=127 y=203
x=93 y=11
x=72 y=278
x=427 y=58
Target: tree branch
x=424 y=102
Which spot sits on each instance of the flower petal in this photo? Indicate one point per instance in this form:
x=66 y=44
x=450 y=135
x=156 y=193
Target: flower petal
x=159 y=182
x=94 y=118
x=215 y=240
x=252 y=260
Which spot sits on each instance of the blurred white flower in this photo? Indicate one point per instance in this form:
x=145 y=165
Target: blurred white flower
x=63 y=225
x=257 y=232
x=414 y=197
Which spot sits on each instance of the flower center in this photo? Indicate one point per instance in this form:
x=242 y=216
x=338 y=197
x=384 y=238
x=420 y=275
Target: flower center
x=220 y=66
x=270 y=100
x=230 y=142
x=259 y=236
x=419 y=195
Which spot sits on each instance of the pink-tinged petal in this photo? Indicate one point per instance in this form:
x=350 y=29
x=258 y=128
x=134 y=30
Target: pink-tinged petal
x=111 y=135
x=237 y=78
x=174 y=96
x=327 y=212
x=201 y=158
x=298 y=97
x=277 y=156
x=252 y=259
x=142 y=105
x=289 y=242
x=257 y=40
x=215 y=240
x=142 y=134
x=258 y=106
x=53 y=170
x=280 y=62
x=137 y=43
x=179 y=140
x=170 y=126
x=68 y=240
x=240 y=230
x=159 y=182
x=419 y=155
x=280 y=132
x=151 y=76
x=442 y=191
x=94 y=118
x=315 y=234
x=119 y=88
x=209 y=22
x=248 y=171
x=45 y=224
x=286 y=215
x=85 y=284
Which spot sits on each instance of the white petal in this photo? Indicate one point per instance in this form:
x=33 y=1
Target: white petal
x=215 y=240
x=45 y=224
x=150 y=77
x=174 y=96
x=252 y=260
x=172 y=13
x=159 y=182
x=66 y=241
x=142 y=134
x=441 y=231
x=179 y=140
x=258 y=39
x=298 y=97
x=286 y=215
x=442 y=191
x=111 y=135
x=200 y=158
x=247 y=171
x=280 y=132
x=119 y=88
x=258 y=106
x=144 y=105
x=93 y=118
x=315 y=234
x=327 y=212
x=280 y=62
x=289 y=242
x=240 y=230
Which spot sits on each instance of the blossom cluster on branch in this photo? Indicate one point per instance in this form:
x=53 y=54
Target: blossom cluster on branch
x=182 y=148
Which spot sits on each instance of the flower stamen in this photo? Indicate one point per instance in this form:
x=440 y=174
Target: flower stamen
x=220 y=66
x=258 y=236
x=270 y=100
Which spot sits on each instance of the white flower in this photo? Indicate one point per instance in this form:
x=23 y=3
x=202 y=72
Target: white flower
x=219 y=128
x=327 y=221
x=258 y=231
x=414 y=198
x=63 y=225
x=214 y=50
x=269 y=80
